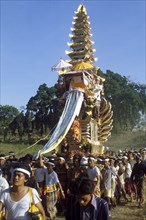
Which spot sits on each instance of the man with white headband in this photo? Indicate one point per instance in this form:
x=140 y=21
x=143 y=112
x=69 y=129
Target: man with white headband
x=106 y=181
x=17 y=199
x=94 y=174
x=127 y=175
x=51 y=192
x=62 y=172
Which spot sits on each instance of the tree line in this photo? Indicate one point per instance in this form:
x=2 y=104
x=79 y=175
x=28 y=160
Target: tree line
x=44 y=109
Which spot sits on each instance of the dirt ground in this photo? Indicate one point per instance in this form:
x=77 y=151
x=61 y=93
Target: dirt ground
x=129 y=211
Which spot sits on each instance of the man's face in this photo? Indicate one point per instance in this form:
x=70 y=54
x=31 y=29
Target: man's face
x=106 y=164
x=19 y=179
x=130 y=157
x=76 y=162
x=138 y=160
x=111 y=162
x=85 y=199
x=2 y=161
x=61 y=161
x=124 y=161
x=49 y=168
x=91 y=163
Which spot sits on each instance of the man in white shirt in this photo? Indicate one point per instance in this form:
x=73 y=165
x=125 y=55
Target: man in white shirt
x=3 y=183
x=94 y=174
x=127 y=176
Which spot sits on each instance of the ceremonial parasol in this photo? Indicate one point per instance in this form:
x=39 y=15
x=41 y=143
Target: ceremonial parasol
x=82 y=66
x=62 y=65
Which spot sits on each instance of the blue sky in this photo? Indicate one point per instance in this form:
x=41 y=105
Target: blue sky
x=34 y=35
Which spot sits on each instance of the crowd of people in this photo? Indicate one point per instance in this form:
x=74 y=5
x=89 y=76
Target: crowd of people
x=74 y=184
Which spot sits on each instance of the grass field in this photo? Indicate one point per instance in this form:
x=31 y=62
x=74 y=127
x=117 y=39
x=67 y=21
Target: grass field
x=19 y=149
x=128 y=140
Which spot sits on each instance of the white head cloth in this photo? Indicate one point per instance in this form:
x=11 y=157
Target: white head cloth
x=92 y=158
x=22 y=171
x=61 y=158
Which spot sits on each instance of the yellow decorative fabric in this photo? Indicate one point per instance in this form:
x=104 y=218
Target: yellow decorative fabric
x=2 y=215
x=33 y=210
x=50 y=189
x=79 y=85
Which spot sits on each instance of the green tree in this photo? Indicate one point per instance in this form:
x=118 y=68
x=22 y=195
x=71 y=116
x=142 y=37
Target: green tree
x=7 y=115
x=127 y=100
x=28 y=124
x=41 y=106
x=17 y=125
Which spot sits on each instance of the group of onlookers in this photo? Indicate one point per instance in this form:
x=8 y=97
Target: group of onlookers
x=74 y=185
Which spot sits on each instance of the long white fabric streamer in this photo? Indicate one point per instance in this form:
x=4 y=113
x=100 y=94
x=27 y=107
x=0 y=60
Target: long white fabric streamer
x=71 y=110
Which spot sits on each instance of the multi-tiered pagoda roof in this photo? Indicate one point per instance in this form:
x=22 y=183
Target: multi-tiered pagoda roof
x=81 y=44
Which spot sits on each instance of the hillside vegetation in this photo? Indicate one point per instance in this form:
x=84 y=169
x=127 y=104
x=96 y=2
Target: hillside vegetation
x=129 y=140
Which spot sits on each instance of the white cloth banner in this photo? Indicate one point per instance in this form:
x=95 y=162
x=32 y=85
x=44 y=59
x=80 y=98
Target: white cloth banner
x=71 y=110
